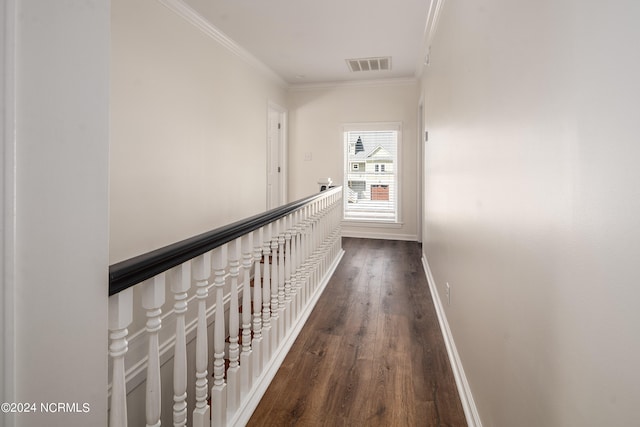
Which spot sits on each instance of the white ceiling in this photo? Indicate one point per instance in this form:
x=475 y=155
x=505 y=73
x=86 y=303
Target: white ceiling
x=308 y=41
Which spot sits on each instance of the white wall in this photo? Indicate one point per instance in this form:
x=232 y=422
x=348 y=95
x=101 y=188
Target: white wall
x=7 y=203
x=189 y=123
x=61 y=246
x=317 y=115
x=533 y=205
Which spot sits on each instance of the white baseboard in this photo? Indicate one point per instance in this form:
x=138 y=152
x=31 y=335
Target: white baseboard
x=383 y=236
x=468 y=404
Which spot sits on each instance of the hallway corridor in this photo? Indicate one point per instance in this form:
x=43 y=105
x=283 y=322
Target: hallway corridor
x=371 y=353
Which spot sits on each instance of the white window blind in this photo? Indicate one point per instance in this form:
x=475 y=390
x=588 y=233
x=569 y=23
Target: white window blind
x=371 y=190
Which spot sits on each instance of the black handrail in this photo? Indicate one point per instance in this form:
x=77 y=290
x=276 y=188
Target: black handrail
x=132 y=271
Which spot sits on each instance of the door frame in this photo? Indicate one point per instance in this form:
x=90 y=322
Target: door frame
x=281 y=161
x=8 y=205
x=420 y=167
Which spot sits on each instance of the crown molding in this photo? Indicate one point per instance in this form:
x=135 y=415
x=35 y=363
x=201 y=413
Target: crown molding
x=182 y=9
x=429 y=33
x=401 y=81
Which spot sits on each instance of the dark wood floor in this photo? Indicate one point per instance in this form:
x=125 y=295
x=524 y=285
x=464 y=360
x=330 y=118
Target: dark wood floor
x=371 y=353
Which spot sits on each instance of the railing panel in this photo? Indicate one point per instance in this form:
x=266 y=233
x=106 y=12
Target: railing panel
x=245 y=294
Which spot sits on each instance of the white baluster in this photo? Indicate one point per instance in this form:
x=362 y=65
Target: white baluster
x=323 y=238
x=295 y=296
x=219 y=388
x=233 y=373
x=153 y=292
x=246 y=373
x=120 y=316
x=316 y=245
x=281 y=313
x=332 y=232
x=275 y=315
x=180 y=281
x=306 y=269
x=301 y=256
x=257 y=304
x=287 y=272
x=299 y=259
x=201 y=269
x=267 y=347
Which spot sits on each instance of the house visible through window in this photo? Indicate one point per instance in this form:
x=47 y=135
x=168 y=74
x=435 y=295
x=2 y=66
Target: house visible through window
x=371 y=166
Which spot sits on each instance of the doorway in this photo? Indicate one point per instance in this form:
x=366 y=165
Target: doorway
x=420 y=198
x=276 y=156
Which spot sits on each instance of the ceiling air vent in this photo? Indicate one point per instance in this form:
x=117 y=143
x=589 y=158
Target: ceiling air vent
x=382 y=63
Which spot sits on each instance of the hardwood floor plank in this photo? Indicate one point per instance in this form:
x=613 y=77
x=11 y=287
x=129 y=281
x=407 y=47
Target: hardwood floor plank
x=371 y=353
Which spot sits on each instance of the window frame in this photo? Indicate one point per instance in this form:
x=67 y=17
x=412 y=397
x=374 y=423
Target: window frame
x=396 y=171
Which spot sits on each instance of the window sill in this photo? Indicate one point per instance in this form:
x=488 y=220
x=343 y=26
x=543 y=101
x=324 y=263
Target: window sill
x=372 y=223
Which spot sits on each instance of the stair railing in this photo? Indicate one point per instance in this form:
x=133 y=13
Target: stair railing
x=256 y=282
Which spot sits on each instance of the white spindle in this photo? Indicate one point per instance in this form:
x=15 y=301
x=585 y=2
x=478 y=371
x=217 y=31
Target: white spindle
x=267 y=347
x=322 y=225
x=287 y=271
x=153 y=292
x=201 y=268
x=180 y=281
x=301 y=257
x=219 y=388
x=295 y=307
x=306 y=245
x=281 y=313
x=257 y=304
x=316 y=245
x=233 y=373
x=275 y=315
x=120 y=316
x=246 y=373
x=299 y=260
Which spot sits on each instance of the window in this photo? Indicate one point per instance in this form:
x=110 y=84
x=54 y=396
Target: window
x=371 y=193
